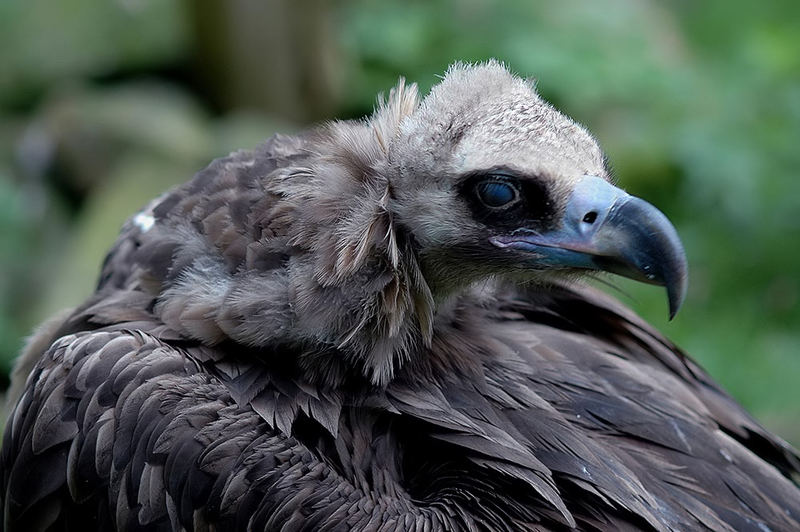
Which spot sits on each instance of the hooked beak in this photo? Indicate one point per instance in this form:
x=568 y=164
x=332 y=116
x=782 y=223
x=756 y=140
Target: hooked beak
x=604 y=228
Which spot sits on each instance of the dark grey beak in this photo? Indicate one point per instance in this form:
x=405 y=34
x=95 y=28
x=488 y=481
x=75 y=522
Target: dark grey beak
x=604 y=228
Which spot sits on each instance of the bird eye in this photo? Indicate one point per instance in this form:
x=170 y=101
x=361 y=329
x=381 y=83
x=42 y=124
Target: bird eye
x=496 y=194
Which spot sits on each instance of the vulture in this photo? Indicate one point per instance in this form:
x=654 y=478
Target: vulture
x=384 y=324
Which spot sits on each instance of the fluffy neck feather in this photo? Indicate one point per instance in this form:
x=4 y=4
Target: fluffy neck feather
x=352 y=286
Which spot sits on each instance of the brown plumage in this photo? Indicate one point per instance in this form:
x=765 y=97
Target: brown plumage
x=379 y=325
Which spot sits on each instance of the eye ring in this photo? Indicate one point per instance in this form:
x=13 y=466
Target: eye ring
x=497 y=194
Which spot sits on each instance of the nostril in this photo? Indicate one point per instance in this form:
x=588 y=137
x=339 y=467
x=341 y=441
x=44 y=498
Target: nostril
x=590 y=217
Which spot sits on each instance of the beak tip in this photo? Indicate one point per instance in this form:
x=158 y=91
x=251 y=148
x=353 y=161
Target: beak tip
x=674 y=307
x=676 y=289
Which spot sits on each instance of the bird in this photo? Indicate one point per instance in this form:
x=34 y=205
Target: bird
x=386 y=324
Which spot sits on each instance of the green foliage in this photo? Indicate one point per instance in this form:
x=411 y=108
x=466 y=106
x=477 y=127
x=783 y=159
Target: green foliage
x=43 y=42
x=696 y=103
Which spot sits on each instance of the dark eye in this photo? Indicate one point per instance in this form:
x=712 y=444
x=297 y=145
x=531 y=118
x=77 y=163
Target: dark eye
x=496 y=193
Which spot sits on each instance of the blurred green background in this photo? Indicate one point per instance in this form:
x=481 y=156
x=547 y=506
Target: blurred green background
x=103 y=104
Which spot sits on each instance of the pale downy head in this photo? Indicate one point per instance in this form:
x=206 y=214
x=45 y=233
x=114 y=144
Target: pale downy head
x=492 y=180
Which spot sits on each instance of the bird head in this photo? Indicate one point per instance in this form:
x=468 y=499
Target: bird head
x=491 y=180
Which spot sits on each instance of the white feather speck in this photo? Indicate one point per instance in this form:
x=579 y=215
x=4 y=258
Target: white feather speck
x=144 y=221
